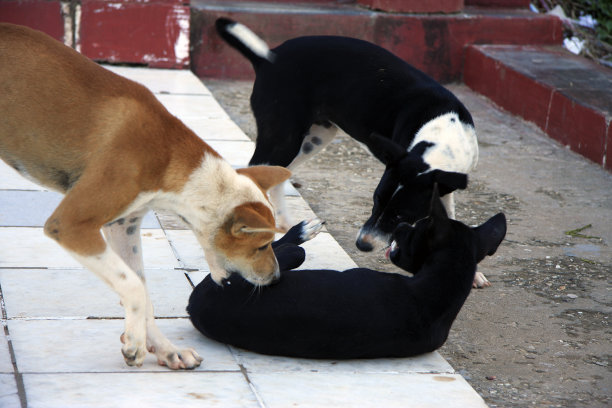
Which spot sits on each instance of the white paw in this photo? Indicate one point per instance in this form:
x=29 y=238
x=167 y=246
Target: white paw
x=480 y=281
x=176 y=359
x=311 y=229
x=133 y=352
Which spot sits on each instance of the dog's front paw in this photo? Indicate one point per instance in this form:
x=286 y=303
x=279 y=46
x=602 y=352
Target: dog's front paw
x=311 y=229
x=175 y=359
x=480 y=281
x=133 y=352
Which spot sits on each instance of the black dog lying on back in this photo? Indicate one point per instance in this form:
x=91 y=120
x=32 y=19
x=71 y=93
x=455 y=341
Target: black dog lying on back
x=358 y=313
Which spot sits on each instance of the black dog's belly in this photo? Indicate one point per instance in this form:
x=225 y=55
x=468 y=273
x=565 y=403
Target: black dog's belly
x=313 y=314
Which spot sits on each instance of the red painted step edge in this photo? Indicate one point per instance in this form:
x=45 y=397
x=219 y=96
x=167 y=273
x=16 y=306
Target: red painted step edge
x=414 y=6
x=585 y=130
x=44 y=16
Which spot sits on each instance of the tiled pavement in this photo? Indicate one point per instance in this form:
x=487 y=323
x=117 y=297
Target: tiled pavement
x=60 y=344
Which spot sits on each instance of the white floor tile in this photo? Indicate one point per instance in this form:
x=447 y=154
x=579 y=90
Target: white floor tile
x=259 y=363
x=192 y=106
x=298 y=209
x=88 y=346
x=216 y=129
x=11 y=180
x=8 y=392
x=237 y=153
x=78 y=293
x=32 y=208
x=324 y=252
x=31 y=248
x=147 y=390
x=163 y=80
x=308 y=389
x=188 y=249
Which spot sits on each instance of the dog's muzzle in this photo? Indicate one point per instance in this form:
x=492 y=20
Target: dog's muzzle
x=365 y=242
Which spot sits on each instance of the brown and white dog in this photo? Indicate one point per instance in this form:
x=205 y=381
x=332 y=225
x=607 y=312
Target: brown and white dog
x=116 y=152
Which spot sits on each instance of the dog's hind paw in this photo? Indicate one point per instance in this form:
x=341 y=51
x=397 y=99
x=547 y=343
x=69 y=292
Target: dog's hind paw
x=185 y=359
x=480 y=281
x=311 y=229
x=300 y=233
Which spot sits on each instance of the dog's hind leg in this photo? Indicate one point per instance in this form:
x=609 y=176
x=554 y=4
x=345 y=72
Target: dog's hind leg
x=449 y=205
x=75 y=225
x=300 y=233
x=123 y=235
x=317 y=138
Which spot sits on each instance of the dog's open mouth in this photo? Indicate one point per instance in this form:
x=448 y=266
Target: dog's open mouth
x=391 y=250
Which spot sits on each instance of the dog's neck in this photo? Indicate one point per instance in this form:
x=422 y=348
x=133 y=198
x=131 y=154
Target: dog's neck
x=444 y=274
x=210 y=193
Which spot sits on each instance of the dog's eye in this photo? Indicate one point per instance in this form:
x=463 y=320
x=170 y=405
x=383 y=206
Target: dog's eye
x=263 y=248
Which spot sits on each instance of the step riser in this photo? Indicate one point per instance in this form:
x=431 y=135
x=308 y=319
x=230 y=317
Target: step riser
x=570 y=120
x=432 y=43
x=153 y=32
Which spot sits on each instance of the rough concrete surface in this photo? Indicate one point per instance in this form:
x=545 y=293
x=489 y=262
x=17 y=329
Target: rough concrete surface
x=540 y=335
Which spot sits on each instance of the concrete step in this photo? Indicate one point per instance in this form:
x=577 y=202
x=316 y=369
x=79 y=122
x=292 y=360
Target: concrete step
x=567 y=96
x=498 y=3
x=434 y=43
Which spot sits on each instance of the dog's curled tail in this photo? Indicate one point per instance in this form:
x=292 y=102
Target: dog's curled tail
x=244 y=40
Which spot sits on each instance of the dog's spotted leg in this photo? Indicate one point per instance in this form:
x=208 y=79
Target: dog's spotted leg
x=124 y=281
x=449 y=205
x=317 y=138
x=123 y=236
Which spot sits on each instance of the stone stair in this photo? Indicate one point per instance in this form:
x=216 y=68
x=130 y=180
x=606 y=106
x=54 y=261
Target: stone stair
x=433 y=42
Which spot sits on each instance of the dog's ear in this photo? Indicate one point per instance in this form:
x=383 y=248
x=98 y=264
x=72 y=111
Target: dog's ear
x=447 y=181
x=250 y=218
x=385 y=149
x=490 y=235
x=450 y=181
x=266 y=177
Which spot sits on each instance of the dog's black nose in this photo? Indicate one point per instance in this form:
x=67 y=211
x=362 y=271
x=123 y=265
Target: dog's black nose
x=363 y=245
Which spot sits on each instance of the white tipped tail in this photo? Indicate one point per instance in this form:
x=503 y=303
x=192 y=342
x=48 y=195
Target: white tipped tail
x=250 y=40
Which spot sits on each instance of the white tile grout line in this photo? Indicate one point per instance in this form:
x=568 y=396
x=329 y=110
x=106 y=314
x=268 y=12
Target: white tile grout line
x=245 y=374
x=21 y=392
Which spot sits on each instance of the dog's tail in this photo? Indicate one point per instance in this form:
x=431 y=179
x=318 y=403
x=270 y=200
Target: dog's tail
x=244 y=40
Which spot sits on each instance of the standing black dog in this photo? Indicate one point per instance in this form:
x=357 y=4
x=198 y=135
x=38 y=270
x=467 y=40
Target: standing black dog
x=358 y=313
x=309 y=87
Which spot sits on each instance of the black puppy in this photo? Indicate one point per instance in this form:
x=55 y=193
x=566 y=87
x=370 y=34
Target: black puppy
x=358 y=313
x=309 y=87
